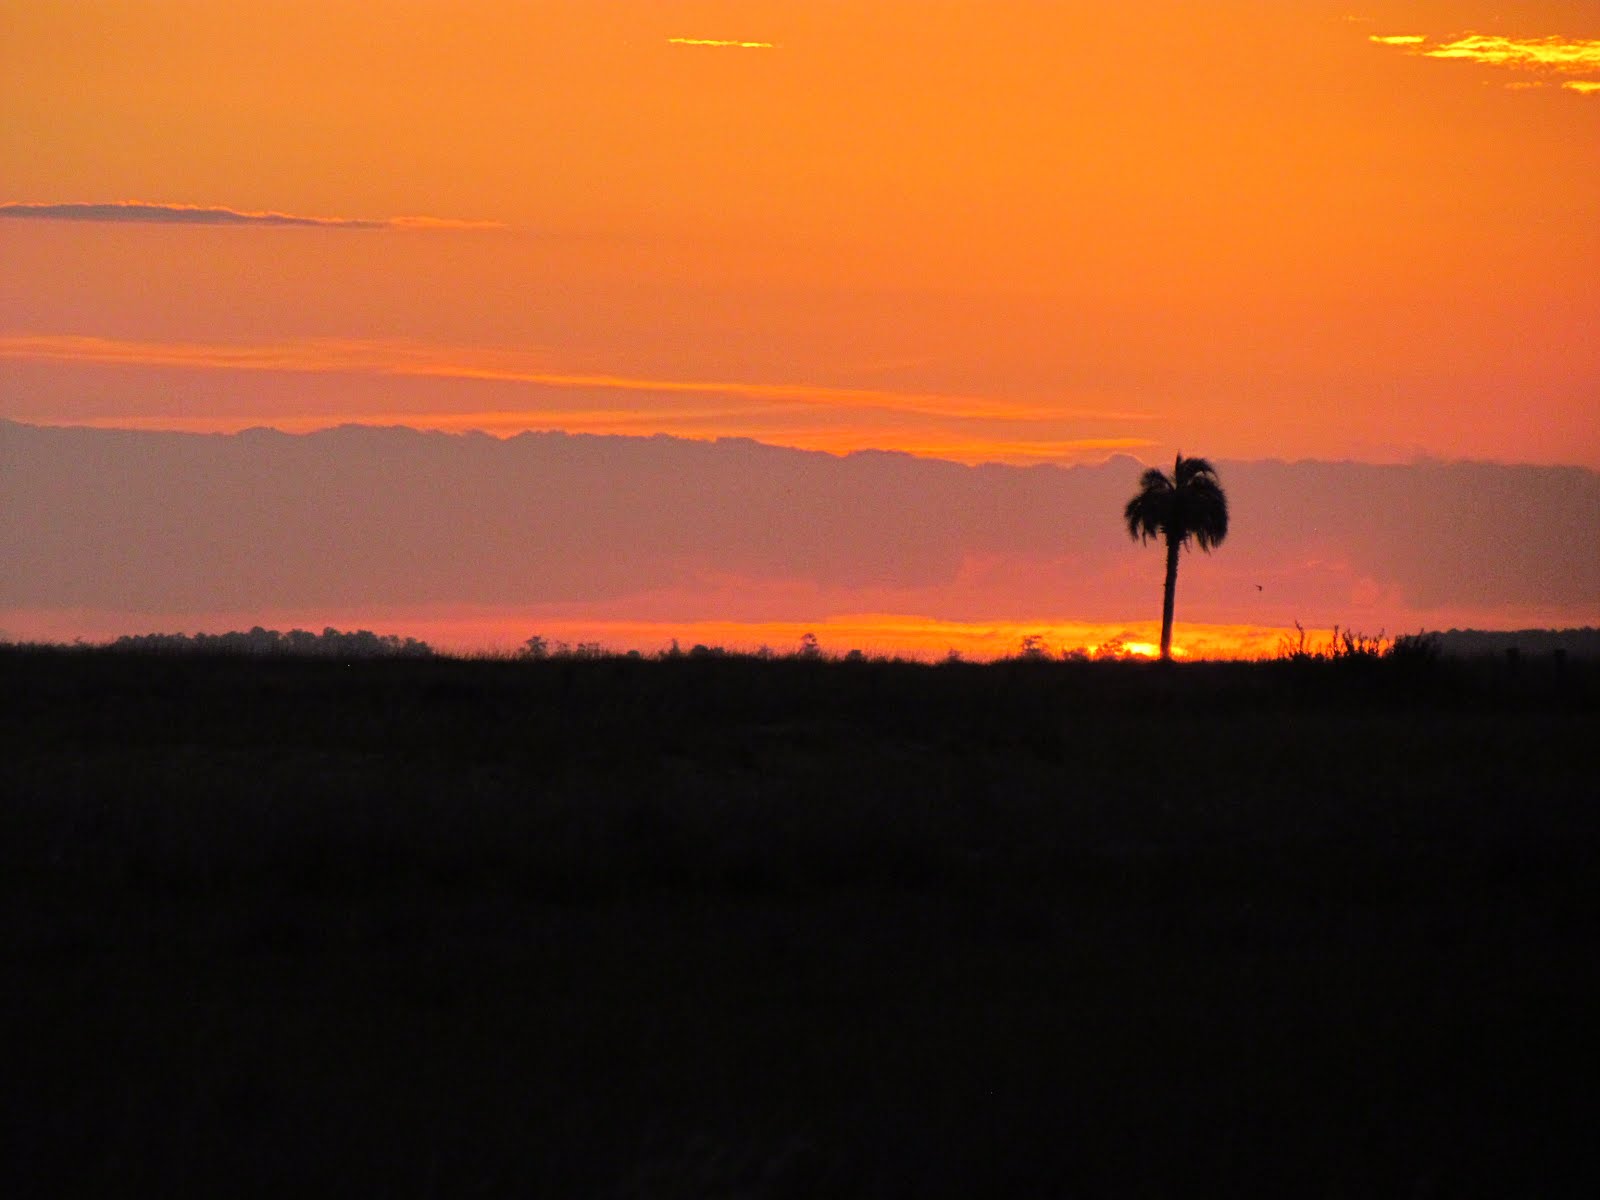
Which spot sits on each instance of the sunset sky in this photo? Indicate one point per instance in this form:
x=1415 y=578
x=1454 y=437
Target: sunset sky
x=993 y=231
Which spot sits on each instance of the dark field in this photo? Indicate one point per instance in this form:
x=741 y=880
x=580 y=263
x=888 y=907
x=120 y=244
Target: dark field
x=728 y=927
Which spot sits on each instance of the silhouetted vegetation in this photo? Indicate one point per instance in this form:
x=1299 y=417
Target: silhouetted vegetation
x=1347 y=644
x=330 y=643
x=712 y=924
x=1188 y=504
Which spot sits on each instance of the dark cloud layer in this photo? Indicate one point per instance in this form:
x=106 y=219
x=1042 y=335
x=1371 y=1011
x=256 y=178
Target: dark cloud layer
x=188 y=522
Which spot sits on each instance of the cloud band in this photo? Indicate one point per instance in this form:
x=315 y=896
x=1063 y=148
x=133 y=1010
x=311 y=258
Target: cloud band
x=141 y=212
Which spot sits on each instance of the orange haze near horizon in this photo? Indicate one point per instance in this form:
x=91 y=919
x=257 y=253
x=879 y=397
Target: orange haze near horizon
x=473 y=630
x=1015 y=231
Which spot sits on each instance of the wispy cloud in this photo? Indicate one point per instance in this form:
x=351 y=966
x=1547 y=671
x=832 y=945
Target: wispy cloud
x=836 y=419
x=413 y=360
x=142 y=212
x=1543 y=56
x=723 y=43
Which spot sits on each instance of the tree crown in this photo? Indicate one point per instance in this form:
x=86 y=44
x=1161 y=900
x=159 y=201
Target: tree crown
x=1188 y=503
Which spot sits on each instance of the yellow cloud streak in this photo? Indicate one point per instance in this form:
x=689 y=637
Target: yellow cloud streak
x=722 y=42
x=1547 y=53
x=401 y=359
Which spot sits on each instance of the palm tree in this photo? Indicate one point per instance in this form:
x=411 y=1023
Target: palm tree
x=1189 y=503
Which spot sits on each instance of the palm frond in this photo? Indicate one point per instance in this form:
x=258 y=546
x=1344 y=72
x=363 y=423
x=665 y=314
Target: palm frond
x=1207 y=513
x=1189 y=470
x=1149 y=512
x=1189 y=503
x=1154 y=480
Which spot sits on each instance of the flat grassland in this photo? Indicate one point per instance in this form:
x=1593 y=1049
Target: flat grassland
x=728 y=927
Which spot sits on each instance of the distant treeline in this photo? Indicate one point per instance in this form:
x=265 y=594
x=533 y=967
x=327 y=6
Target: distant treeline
x=330 y=643
x=1470 y=643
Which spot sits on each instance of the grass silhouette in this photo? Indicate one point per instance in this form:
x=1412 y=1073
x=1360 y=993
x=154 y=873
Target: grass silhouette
x=786 y=926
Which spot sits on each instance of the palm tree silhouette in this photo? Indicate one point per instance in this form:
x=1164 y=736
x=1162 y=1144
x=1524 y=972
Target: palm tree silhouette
x=1189 y=503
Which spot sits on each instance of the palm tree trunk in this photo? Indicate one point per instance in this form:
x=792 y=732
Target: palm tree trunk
x=1169 y=593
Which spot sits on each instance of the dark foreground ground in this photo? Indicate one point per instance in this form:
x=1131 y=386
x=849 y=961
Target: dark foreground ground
x=736 y=928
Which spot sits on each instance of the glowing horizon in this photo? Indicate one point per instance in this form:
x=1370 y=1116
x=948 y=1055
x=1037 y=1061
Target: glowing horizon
x=910 y=636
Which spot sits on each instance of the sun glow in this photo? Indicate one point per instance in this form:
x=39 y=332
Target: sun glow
x=1119 y=649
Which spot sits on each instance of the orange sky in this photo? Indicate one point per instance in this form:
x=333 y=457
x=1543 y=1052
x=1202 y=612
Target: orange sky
x=987 y=230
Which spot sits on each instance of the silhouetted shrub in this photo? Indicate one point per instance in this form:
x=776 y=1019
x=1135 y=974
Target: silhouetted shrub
x=1342 y=645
